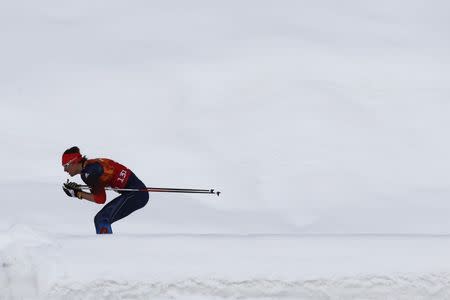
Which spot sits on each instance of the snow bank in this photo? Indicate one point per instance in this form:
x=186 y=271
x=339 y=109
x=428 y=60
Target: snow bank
x=430 y=286
x=171 y=266
x=21 y=269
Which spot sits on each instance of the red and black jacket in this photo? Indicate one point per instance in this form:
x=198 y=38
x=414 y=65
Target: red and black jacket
x=102 y=172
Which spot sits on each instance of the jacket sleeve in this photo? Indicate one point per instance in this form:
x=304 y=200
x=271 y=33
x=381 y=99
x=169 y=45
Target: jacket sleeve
x=91 y=176
x=99 y=194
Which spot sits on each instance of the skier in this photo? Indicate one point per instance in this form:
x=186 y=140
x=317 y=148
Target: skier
x=98 y=174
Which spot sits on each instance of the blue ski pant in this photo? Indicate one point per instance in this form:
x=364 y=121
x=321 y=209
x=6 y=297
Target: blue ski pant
x=121 y=206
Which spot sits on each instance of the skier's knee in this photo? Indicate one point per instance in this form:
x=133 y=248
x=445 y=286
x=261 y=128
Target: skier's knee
x=143 y=200
x=97 y=219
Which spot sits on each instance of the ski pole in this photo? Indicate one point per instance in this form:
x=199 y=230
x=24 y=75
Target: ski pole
x=160 y=190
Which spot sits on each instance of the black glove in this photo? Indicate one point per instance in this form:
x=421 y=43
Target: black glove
x=72 y=189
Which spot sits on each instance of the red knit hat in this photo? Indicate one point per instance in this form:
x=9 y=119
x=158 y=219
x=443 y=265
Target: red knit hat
x=71 y=158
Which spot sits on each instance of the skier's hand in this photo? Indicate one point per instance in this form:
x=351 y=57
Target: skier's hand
x=72 y=189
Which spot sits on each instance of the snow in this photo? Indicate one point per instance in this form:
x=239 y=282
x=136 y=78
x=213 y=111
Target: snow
x=323 y=124
x=210 y=266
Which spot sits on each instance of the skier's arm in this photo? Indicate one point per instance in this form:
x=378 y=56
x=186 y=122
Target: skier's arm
x=91 y=175
x=98 y=195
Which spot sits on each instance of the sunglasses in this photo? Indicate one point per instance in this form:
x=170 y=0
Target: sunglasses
x=66 y=165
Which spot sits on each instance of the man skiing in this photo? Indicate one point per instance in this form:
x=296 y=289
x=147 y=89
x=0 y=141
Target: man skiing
x=98 y=174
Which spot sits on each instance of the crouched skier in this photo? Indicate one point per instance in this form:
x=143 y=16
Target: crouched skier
x=98 y=174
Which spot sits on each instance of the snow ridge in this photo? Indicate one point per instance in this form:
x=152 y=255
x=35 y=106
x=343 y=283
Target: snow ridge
x=430 y=286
